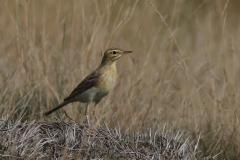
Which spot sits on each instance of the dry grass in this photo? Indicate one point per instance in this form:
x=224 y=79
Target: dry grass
x=183 y=72
x=61 y=140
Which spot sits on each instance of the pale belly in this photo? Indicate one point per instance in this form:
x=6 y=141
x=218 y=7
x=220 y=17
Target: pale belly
x=91 y=95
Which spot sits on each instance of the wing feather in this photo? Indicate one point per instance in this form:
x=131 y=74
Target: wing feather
x=90 y=81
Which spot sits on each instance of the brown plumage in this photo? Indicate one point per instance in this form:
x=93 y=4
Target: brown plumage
x=97 y=84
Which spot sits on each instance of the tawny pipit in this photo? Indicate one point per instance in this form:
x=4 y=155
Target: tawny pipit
x=97 y=84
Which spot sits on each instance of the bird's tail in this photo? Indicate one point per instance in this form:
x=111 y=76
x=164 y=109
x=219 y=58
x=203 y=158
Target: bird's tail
x=58 y=107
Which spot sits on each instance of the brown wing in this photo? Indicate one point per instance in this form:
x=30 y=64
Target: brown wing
x=87 y=83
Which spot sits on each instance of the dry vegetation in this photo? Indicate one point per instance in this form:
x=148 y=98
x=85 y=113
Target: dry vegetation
x=184 y=70
x=61 y=140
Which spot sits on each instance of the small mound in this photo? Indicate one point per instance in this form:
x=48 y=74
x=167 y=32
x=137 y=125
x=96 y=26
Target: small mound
x=61 y=140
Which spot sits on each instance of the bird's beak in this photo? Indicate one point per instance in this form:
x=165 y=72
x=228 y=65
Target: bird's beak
x=127 y=52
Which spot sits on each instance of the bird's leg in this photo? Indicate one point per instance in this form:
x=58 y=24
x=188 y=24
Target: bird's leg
x=94 y=113
x=86 y=114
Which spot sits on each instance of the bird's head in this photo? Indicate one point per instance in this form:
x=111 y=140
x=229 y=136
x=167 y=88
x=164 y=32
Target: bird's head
x=112 y=54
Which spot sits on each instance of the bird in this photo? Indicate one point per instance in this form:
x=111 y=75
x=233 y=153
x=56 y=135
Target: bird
x=97 y=84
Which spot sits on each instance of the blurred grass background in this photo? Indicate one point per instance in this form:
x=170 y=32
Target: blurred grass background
x=184 y=70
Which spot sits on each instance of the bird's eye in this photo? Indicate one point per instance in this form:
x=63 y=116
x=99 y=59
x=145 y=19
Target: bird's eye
x=114 y=52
